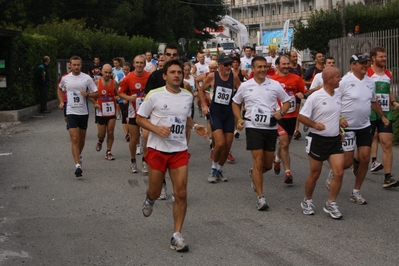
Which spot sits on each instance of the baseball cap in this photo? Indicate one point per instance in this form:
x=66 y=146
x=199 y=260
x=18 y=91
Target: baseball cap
x=358 y=57
x=224 y=58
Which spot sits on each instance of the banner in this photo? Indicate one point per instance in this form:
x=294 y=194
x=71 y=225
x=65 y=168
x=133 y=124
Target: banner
x=285 y=34
x=274 y=38
x=237 y=27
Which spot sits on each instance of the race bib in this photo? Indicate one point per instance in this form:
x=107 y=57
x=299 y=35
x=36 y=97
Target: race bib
x=177 y=126
x=139 y=101
x=350 y=140
x=292 y=104
x=260 y=118
x=108 y=108
x=75 y=99
x=308 y=143
x=383 y=100
x=223 y=95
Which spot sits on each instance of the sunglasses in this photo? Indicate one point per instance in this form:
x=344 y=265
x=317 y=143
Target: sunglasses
x=170 y=54
x=227 y=64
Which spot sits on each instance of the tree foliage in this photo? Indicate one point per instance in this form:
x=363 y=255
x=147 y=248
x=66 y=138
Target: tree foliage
x=162 y=20
x=323 y=26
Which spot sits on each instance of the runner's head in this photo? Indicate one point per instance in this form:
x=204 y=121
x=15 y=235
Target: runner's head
x=378 y=56
x=358 y=64
x=224 y=64
x=248 y=51
x=330 y=61
x=171 y=53
x=259 y=68
x=76 y=65
x=293 y=57
x=173 y=74
x=283 y=65
x=139 y=64
x=107 y=72
x=236 y=62
x=213 y=66
x=331 y=77
x=127 y=67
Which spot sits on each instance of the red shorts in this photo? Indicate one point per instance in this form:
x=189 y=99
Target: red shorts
x=161 y=161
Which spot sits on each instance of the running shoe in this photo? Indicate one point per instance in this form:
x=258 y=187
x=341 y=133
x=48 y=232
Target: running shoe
x=144 y=167
x=177 y=243
x=357 y=198
x=297 y=135
x=288 y=178
x=133 y=167
x=109 y=156
x=230 y=158
x=252 y=181
x=99 y=146
x=163 y=195
x=236 y=134
x=147 y=207
x=261 y=203
x=307 y=207
x=277 y=167
x=127 y=137
x=332 y=210
x=78 y=171
x=329 y=178
x=212 y=178
x=376 y=166
x=219 y=175
x=138 y=149
x=390 y=182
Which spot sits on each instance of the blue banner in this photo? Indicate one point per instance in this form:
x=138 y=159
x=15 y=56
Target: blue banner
x=274 y=38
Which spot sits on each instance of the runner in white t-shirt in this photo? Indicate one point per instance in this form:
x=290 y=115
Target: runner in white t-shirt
x=78 y=87
x=200 y=67
x=321 y=113
x=260 y=95
x=357 y=94
x=169 y=110
x=246 y=61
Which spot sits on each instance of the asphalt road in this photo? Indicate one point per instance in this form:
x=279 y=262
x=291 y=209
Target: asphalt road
x=48 y=217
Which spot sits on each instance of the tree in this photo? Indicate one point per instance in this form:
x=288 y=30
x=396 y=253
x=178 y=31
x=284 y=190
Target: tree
x=161 y=20
x=321 y=27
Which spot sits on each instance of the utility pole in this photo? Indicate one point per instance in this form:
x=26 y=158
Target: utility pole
x=343 y=17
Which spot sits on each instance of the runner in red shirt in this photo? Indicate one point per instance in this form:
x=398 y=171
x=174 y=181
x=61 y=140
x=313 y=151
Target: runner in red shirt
x=293 y=85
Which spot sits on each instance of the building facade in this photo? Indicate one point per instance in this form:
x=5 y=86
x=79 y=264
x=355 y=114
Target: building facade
x=259 y=15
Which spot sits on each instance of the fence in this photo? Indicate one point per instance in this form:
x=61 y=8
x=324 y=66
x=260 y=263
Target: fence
x=342 y=49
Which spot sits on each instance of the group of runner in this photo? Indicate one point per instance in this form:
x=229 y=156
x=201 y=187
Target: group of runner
x=160 y=109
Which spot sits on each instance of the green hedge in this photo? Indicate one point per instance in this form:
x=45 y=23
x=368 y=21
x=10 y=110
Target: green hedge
x=74 y=39
x=23 y=55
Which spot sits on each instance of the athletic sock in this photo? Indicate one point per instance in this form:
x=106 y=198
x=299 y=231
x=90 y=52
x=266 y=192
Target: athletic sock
x=373 y=159
x=133 y=160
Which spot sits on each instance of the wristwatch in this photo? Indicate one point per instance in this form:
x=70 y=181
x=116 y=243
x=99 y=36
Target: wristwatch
x=282 y=113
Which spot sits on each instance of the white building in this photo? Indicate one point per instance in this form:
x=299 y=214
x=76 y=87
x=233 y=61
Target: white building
x=271 y=14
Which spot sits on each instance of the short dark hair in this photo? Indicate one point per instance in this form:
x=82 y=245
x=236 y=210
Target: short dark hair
x=329 y=58
x=236 y=58
x=375 y=50
x=170 y=46
x=46 y=59
x=171 y=63
x=127 y=64
x=257 y=58
x=75 y=57
x=246 y=47
x=278 y=59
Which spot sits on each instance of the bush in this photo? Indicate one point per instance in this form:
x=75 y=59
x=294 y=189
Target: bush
x=23 y=55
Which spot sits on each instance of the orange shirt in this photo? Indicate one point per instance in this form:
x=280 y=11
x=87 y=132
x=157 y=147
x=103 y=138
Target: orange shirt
x=292 y=84
x=133 y=84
